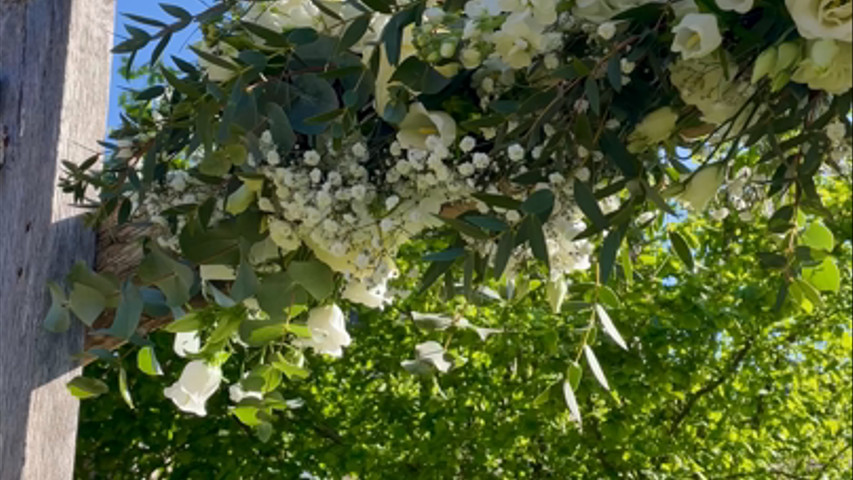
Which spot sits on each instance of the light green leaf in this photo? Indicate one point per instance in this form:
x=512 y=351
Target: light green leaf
x=571 y=402
x=146 y=360
x=824 y=277
x=84 y=387
x=819 y=237
x=122 y=387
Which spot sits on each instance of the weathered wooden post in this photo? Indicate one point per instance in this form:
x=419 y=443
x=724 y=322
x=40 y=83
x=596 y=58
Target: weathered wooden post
x=54 y=82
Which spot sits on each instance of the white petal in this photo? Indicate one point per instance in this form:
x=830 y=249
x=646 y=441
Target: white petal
x=572 y=403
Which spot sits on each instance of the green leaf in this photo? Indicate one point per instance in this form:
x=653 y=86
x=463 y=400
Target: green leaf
x=487 y=222
x=615 y=150
x=354 y=32
x=809 y=291
x=781 y=220
x=86 y=303
x=539 y=203
x=589 y=205
x=506 y=245
x=314 y=276
x=188 y=323
x=627 y=264
x=246 y=283
x=571 y=401
x=122 y=388
x=302 y=36
x=84 y=387
x=583 y=131
x=280 y=128
x=574 y=374
x=176 y=12
x=128 y=313
x=614 y=73
x=293 y=371
x=682 y=249
x=392 y=34
x=432 y=273
x=825 y=277
x=381 y=6
x=593 y=95
x=173 y=278
x=818 y=236
x=464 y=227
x=445 y=255
x=312 y=96
x=258 y=333
x=419 y=76
x=277 y=293
x=499 y=201
x=58 y=319
x=536 y=237
x=146 y=360
x=607 y=255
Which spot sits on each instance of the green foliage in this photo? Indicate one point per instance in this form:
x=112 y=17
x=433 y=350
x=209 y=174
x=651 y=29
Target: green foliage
x=717 y=384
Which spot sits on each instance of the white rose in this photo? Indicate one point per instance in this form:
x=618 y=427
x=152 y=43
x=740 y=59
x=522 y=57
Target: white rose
x=828 y=67
x=187 y=343
x=739 y=6
x=696 y=35
x=420 y=124
x=197 y=383
x=823 y=18
x=328 y=331
x=702 y=186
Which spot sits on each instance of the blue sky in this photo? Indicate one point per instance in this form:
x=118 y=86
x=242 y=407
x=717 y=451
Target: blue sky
x=177 y=46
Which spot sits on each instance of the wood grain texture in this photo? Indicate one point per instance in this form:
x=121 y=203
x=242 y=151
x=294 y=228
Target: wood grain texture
x=54 y=83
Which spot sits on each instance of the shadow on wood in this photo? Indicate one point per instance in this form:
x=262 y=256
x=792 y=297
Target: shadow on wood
x=54 y=80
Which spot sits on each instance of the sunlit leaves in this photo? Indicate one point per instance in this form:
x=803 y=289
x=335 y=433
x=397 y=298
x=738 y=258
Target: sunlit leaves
x=609 y=327
x=85 y=387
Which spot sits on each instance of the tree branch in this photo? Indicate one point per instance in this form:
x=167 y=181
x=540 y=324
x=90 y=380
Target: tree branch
x=710 y=387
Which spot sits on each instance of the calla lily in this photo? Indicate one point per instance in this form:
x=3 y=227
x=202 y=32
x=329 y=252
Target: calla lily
x=328 y=331
x=420 y=124
x=817 y=19
x=197 y=383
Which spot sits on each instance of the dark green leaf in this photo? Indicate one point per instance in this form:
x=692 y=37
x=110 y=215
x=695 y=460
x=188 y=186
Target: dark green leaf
x=589 y=205
x=682 y=249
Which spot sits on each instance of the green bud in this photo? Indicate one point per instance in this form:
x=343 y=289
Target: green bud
x=764 y=64
x=780 y=80
x=789 y=54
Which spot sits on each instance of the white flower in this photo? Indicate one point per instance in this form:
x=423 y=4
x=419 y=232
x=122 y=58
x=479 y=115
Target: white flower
x=606 y=30
x=328 y=331
x=311 y=158
x=702 y=186
x=187 y=343
x=551 y=61
x=420 y=124
x=515 y=152
x=519 y=38
x=481 y=160
x=828 y=67
x=739 y=6
x=823 y=18
x=216 y=72
x=696 y=35
x=467 y=143
x=197 y=383
x=357 y=292
x=582 y=174
x=835 y=131
x=656 y=127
